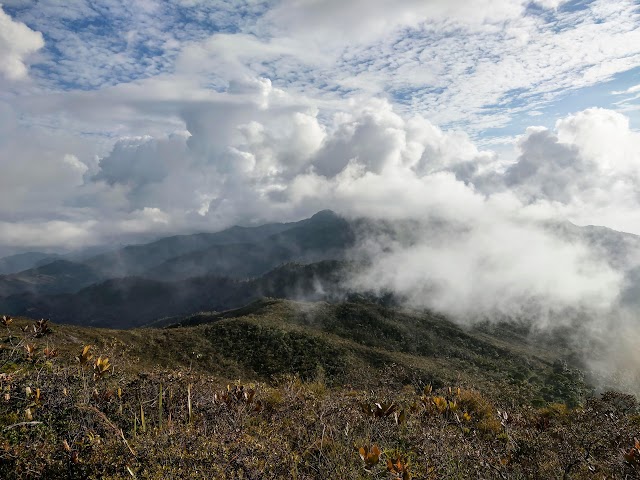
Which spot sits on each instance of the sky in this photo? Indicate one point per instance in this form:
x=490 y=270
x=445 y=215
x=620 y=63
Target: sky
x=125 y=121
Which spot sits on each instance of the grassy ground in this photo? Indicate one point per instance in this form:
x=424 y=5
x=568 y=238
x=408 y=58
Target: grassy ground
x=291 y=390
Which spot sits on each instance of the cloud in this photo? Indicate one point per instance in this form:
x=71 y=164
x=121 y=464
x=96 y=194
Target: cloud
x=630 y=90
x=363 y=21
x=259 y=153
x=481 y=271
x=41 y=170
x=48 y=233
x=140 y=161
x=17 y=42
x=587 y=170
x=461 y=70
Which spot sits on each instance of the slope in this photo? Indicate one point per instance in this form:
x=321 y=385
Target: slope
x=323 y=236
x=349 y=342
x=55 y=277
x=24 y=261
x=135 y=301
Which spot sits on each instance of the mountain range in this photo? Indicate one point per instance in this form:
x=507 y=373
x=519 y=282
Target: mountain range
x=180 y=275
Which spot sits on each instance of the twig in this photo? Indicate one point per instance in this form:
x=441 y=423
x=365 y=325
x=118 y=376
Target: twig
x=22 y=424
x=117 y=431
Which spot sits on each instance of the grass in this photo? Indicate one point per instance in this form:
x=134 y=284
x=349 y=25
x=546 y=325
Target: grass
x=295 y=390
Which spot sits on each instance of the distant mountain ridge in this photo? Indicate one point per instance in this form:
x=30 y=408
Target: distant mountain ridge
x=58 y=276
x=180 y=275
x=24 y=261
x=136 y=259
x=136 y=301
x=324 y=236
x=237 y=252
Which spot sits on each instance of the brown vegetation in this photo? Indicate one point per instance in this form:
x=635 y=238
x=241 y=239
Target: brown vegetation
x=83 y=412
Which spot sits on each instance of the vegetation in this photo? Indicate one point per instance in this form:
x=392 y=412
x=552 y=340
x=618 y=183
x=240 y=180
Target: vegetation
x=134 y=302
x=291 y=390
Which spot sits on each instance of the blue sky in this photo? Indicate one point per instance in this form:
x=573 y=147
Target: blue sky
x=91 y=45
x=127 y=119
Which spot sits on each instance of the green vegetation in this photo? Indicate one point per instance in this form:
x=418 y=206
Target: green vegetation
x=281 y=389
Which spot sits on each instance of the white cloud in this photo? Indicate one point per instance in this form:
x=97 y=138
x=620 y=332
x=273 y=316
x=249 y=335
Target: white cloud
x=433 y=50
x=550 y=3
x=482 y=271
x=587 y=170
x=47 y=233
x=630 y=90
x=363 y=21
x=17 y=42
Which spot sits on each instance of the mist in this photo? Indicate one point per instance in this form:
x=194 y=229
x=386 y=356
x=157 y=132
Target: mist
x=555 y=279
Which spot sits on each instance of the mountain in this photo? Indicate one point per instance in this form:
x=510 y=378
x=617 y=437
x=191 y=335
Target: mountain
x=271 y=337
x=238 y=252
x=24 y=261
x=136 y=259
x=135 y=301
x=55 y=277
x=180 y=275
x=323 y=236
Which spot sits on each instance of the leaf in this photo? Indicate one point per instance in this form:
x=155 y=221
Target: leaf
x=400 y=417
x=248 y=395
x=50 y=352
x=85 y=355
x=398 y=467
x=370 y=457
x=101 y=366
x=363 y=453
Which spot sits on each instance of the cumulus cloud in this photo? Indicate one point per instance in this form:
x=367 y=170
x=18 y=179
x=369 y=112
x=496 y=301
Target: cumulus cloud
x=17 y=42
x=587 y=169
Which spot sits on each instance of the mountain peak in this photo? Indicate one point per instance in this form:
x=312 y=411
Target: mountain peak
x=325 y=214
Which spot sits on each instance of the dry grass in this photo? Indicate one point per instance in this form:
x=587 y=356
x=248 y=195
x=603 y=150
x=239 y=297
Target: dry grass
x=75 y=412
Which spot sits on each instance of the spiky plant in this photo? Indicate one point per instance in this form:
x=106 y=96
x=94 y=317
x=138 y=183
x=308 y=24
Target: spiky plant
x=101 y=367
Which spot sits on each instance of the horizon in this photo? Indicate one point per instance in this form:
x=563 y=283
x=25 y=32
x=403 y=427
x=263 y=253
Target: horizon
x=105 y=248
